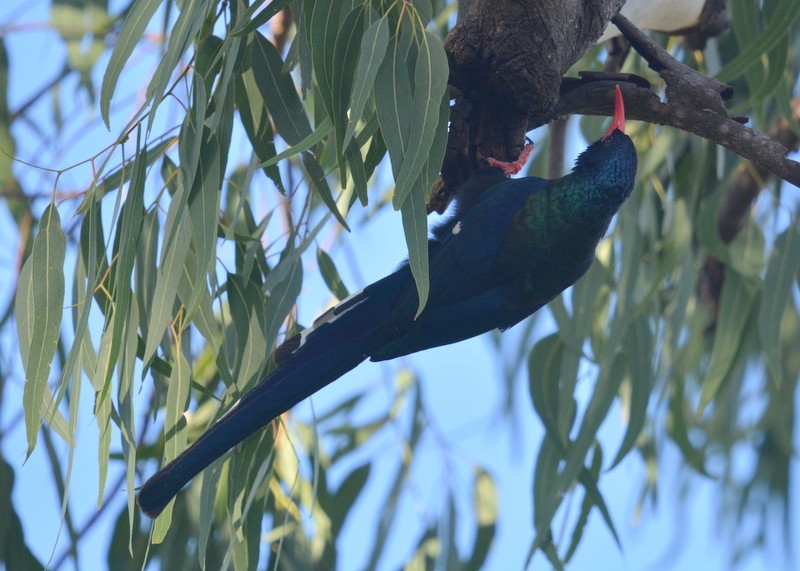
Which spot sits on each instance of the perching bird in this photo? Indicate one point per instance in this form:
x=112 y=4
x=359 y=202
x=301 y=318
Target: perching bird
x=509 y=247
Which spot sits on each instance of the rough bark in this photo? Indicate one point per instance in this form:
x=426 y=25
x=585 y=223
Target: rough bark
x=506 y=61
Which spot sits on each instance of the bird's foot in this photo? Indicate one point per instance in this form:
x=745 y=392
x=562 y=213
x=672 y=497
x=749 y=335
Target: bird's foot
x=515 y=166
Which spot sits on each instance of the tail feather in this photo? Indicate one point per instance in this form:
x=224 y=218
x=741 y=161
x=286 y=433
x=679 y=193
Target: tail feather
x=335 y=344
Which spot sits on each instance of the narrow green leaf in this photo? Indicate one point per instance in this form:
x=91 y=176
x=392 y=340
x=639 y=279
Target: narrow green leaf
x=41 y=300
x=248 y=318
x=167 y=280
x=431 y=73
x=146 y=272
x=249 y=467
x=316 y=177
x=358 y=171
x=279 y=92
x=545 y=487
x=127 y=419
x=281 y=298
x=735 y=303
x=486 y=505
x=204 y=201
x=605 y=391
x=323 y=20
x=20 y=555
x=331 y=275
x=345 y=58
x=373 y=49
x=786 y=13
x=347 y=494
x=544 y=372
x=781 y=272
x=589 y=479
x=415 y=227
x=208 y=497
x=24 y=310
x=127 y=244
x=192 y=17
x=133 y=28
x=394 y=101
x=175 y=434
x=746 y=251
x=102 y=413
x=250 y=21
x=323 y=130
x=192 y=134
x=639 y=352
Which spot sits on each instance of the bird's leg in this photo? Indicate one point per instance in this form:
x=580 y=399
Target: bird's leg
x=515 y=166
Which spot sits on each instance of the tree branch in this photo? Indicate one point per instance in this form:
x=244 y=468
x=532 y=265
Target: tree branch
x=506 y=60
x=590 y=97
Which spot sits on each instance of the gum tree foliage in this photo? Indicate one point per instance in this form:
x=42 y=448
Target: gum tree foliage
x=159 y=284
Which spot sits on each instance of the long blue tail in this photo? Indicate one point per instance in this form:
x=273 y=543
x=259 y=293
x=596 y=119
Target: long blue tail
x=335 y=344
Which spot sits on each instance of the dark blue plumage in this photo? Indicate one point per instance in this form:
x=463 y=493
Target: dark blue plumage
x=508 y=248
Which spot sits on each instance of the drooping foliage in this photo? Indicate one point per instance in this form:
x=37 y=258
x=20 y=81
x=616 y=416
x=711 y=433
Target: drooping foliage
x=155 y=275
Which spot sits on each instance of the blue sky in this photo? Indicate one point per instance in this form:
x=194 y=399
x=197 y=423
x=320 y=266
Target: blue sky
x=461 y=386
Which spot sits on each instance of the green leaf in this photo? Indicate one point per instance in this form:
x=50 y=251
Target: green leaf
x=486 y=506
x=544 y=372
x=587 y=504
x=204 y=201
x=127 y=242
x=168 y=278
x=373 y=50
x=431 y=73
x=187 y=27
x=39 y=306
x=415 y=226
x=735 y=303
x=746 y=251
x=639 y=351
x=331 y=276
x=323 y=19
x=545 y=487
x=786 y=12
x=133 y=28
x=345 y=58
x=248 y=319
x=146 y=273
x=394 y=100
x=781 y=272
x=605 y=391
x=14 y=551
x=248 y=22
x=323 y=130
x=278 y=92
x=316 y=177
x=175 y=437
x=125 y=397
x=281 y=299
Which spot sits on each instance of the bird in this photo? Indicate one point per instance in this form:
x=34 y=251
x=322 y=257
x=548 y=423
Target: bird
x=675 y=17
x=508 y=246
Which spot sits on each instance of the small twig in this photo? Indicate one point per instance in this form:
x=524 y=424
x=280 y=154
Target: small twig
x=660 y=61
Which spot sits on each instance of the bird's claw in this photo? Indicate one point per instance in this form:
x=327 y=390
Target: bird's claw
x=514 y=167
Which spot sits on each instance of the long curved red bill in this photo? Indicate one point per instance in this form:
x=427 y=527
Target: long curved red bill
x=619 y=114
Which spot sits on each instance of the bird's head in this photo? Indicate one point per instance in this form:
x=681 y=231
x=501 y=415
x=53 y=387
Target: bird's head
x=610 y=163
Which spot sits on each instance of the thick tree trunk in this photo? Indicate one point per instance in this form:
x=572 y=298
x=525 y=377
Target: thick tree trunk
x=506 y=61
